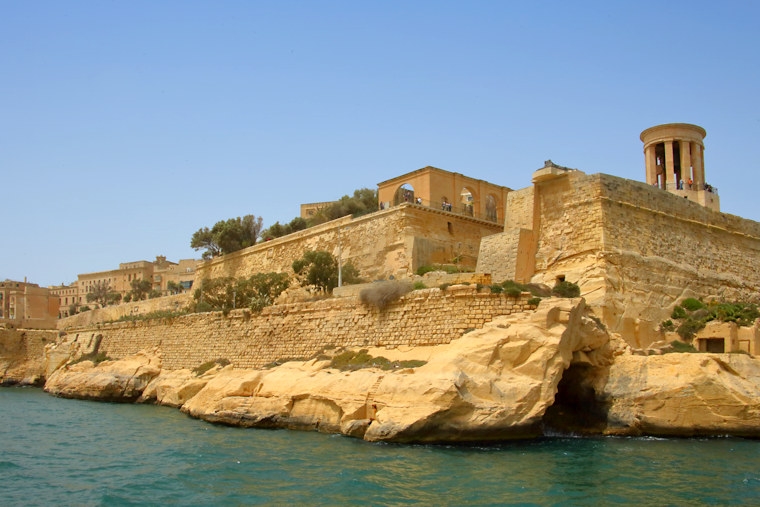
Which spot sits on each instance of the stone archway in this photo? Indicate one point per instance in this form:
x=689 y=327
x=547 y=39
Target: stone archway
x=404 y=193
x=492 y=208
x=467 y=202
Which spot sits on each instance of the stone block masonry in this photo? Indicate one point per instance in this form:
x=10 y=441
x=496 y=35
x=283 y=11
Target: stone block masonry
x=303 y=330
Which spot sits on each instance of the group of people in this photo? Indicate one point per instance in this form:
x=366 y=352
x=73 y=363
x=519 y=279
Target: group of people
x=681 y=185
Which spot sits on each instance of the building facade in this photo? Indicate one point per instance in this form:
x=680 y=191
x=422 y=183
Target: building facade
x=27 y=305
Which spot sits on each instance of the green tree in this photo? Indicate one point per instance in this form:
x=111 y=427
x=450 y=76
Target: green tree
x=278 y=230
x=227 y=293
x=140 y=289
x=319 y=269
x=114 y=298
x=363 y=201
x=174 y=287
x=227 y=236
x=98 y=292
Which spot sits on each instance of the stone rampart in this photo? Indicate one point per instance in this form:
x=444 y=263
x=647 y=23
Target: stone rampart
x=660 y=248
x=391 y=242
x=301 y=330
x=21 y=353
x=115 y=312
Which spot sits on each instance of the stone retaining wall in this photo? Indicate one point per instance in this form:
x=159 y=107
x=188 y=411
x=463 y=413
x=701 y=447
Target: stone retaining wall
x=302 y=330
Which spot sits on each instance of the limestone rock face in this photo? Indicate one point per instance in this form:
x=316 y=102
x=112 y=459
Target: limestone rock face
x=491 y=384
x=67 y=349
x=174 y=388
x=684 y=395
x=121 y=381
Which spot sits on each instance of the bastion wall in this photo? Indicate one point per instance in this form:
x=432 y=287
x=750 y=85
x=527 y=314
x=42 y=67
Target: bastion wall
x=660 y=248
x=391 y=242
x=134 y=308
x=302 y=330
x=635 y=250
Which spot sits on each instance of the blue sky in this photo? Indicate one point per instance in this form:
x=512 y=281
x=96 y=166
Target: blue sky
x=127 y=126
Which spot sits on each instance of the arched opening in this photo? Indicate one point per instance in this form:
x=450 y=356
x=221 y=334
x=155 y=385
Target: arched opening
x=467 y=202
x=405 y=193
x=492 y=209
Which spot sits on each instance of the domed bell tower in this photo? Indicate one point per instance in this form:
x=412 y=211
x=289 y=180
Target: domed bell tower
x=674 y=156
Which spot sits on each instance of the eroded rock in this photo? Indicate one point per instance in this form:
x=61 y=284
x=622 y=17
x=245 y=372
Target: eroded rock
x=120 y=381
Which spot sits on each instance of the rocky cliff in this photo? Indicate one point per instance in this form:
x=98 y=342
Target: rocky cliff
x=514 y=378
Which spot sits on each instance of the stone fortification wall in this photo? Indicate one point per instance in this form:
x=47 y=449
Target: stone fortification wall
x=660 y=248
x=519 y=213
x=390 y=242
x=635 y=250
x=570 y=225
x=22 y=352
x=424 y=317
x=115 y=312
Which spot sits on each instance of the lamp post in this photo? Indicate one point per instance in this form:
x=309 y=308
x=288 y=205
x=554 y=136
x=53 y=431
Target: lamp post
x=340 y=261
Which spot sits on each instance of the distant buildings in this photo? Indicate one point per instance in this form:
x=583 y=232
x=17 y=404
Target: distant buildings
x=27 y=305
x=164 y=276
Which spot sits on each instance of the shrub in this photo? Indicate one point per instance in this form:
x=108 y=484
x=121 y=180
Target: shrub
x=418 y=285
x=692 y=304
x=566 y=289
x=444 y=286
x=497 y=289
x=742 y=314
x=681 y=347
x=667 y=325
x=512 y=288
x=689 y=328
x=381 y=294
x=534 y=301
x=425 y=269
x=678 y=313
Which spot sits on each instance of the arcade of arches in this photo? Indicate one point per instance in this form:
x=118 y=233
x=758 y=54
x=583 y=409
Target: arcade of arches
x=443 y=190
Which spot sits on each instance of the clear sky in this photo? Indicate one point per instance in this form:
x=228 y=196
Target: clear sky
x=125 y=126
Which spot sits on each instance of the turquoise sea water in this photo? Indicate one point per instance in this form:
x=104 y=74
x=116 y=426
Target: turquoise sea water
x=68 y=452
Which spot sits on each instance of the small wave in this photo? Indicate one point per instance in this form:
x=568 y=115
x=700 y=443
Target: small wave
x=9 y=465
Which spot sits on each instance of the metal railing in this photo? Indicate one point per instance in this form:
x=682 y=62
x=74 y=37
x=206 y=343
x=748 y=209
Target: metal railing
x=694 y=187
x=461 y=209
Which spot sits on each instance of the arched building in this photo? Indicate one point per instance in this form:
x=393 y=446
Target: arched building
x=452 y=192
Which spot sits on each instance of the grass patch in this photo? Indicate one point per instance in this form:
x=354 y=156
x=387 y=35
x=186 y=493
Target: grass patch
x=681 y=347
x=158 y=314
x=351 y=360
x=95 y=357
x=203 y=368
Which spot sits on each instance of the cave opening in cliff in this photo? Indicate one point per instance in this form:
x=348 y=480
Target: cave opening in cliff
x=576 y=408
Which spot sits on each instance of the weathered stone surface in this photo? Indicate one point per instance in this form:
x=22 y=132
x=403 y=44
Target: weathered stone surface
x=121 y=381
x=684 y=395
x=491 y=384
x=21 y=361
x=175 y=387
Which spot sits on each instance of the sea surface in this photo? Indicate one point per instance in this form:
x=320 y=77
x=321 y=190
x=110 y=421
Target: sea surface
x=68 y=452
